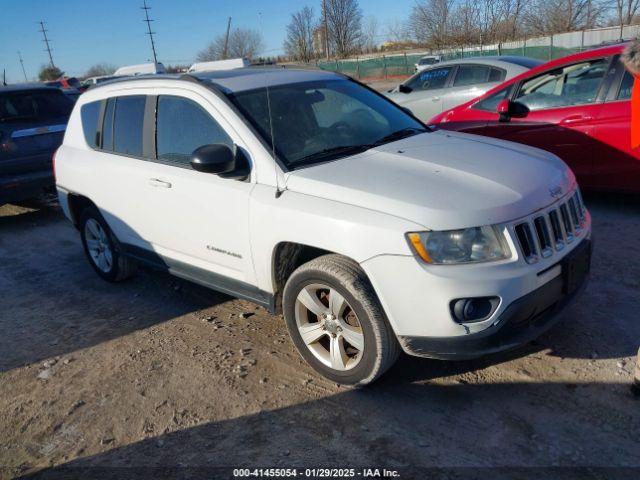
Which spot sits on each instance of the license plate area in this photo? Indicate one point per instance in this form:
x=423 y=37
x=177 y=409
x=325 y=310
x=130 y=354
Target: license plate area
x=576 y=266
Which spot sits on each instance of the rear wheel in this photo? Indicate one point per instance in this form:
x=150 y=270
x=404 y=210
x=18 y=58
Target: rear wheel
x=102 y=248
x=336 y=322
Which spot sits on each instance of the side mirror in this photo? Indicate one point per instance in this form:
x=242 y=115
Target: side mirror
x=509 y=109
x=216 y=158
x=221 y=160
x=402 y=88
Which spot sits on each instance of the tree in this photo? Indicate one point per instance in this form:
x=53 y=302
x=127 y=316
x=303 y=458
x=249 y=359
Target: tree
x=397 y=31
x=299 y=41
x=431 y=22
x=243 y=43
x=546 y=17
x=49 y=72
x=344 y=21
x=370 y=34
x=100 y=70
x=626 y=10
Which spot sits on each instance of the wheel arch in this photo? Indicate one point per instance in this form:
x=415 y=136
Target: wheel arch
x=285 y=259
x=77 y=203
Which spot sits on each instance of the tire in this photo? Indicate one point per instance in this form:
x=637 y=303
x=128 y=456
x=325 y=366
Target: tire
x=359 y=319
x=93 y=228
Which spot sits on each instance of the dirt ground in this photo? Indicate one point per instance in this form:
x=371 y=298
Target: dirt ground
x=158 y=372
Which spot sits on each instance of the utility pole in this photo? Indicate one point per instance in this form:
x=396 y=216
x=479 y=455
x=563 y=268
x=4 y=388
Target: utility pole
x=46 y=41
x=326 y=28
x=226 y=41
x=150 y=33
x=22 y=65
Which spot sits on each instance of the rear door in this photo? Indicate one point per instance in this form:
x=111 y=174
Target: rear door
x=32 y=125
x=563 y=106
x=471 y=81
x=616 y=164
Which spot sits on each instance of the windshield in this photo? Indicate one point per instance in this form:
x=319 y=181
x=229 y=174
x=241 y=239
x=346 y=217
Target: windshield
x=37 y=105
x=324 y=120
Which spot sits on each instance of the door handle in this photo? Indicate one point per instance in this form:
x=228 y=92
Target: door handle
x=575 y=119
x=435 y=99
x=156 y=182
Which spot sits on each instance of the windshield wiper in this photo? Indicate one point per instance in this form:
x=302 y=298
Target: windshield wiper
x=399 y=134
x=333 y=153
x=345 y=150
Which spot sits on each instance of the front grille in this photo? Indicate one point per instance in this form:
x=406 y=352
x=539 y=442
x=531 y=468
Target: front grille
x=549 y=232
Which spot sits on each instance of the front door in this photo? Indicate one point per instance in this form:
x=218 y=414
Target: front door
x=428 y=89
x=563 y=106
x=616 y=164
x=197 y=219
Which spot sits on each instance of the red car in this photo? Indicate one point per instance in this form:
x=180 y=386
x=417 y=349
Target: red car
x=578 y=107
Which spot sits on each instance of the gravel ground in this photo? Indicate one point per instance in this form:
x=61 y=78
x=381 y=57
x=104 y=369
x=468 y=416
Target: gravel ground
x=158 y=372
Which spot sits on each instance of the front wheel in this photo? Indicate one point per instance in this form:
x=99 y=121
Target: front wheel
x=336 y=321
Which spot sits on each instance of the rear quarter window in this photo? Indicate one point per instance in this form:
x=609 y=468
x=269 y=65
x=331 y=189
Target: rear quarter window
x=89 y=114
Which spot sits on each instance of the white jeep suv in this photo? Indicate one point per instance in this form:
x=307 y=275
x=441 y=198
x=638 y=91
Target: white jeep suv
x=316 y=197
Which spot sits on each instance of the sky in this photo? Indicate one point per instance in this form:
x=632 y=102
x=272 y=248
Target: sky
x=85 y=32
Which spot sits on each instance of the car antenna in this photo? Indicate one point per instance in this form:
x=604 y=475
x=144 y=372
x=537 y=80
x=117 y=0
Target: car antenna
x=4 y=77
x=279 y=191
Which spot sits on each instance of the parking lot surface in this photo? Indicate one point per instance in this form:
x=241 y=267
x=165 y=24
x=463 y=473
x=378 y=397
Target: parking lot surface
x=160 y=372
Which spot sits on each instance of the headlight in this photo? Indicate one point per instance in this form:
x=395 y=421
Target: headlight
x=469 y=245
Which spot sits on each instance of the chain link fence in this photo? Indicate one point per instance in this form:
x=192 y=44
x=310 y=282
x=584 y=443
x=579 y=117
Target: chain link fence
x=542 y=48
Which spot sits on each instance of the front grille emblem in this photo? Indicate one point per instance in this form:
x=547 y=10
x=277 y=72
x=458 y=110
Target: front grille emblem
x=556 y=192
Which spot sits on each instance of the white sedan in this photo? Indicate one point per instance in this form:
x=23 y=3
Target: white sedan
x=448 y=84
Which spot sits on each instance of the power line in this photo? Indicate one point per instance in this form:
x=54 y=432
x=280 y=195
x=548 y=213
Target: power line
x=22 y=65
x=150 y=33
x=46 y=41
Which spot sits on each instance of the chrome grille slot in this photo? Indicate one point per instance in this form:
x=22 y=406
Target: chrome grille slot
x=544 y=238
x=573 y=210
x=566 y=222
x=549 y=230
x=527 y=242
x=556 y=229
x=581 y=206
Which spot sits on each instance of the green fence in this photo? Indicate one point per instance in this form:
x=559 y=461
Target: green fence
x=389 y=66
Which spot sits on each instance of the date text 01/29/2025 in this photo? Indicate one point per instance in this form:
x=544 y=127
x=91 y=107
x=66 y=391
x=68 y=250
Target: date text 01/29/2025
x=316 y=472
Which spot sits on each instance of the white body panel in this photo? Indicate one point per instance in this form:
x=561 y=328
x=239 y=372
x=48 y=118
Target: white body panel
x=361 y=207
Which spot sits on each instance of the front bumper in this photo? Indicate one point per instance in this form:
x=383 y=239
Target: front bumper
x=416 y=298
x=522 y=321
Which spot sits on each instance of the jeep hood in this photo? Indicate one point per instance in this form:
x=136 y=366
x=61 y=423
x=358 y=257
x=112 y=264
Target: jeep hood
x=441 y=180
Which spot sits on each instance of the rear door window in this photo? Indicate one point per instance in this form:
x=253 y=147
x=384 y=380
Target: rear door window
x=182 y=127
x=471 y=75
x=128 y=125
x=89 y=114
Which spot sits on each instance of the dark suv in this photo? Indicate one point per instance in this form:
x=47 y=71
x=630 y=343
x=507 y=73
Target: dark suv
x=33 y=119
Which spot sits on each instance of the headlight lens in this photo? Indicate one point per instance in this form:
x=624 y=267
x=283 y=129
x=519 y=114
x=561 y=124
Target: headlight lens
x=469 y=245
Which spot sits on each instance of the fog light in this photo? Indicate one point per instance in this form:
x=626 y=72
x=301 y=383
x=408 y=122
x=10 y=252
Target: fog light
x=465 y=310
